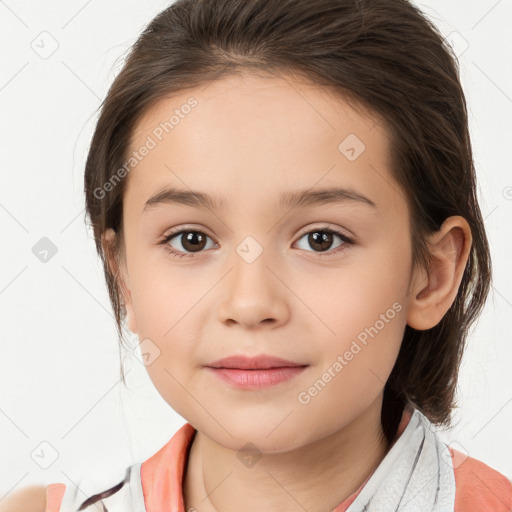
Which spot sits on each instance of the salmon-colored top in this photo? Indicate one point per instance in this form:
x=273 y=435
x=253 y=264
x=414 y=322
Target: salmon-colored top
x=54 y=495
x=478 y=487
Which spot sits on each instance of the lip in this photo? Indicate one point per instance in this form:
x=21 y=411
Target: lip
x=260 y=362
x=255 y=372
x=257 y=379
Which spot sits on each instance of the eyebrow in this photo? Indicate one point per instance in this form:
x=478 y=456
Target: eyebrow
x=298 y=198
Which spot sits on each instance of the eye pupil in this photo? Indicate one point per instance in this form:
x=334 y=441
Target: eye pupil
x=193 y=240
x=320 y=240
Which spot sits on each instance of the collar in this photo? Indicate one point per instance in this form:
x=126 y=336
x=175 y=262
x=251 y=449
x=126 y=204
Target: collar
x=162 y=474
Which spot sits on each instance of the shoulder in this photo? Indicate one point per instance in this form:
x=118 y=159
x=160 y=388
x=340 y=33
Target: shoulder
x=478 y=486
x=56 y=497
x=28 y=499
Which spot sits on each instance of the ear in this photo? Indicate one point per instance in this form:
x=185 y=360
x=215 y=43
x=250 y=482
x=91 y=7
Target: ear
x=118 y=268
x=434 y=291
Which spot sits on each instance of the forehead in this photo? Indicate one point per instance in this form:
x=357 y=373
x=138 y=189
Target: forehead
x=245 y=136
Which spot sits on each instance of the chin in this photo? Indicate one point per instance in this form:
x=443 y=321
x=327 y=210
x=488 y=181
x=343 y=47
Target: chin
x=255 y=435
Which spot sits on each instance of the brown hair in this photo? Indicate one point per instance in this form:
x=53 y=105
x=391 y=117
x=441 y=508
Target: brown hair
x=383 y=55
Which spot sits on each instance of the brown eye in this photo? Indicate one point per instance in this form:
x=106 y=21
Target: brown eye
x=321 y=240
x=193 y=240
x=185 y=242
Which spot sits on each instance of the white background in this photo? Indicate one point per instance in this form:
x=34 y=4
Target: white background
x=59 y=364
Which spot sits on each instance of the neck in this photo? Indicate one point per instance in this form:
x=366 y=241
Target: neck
x=314 y=477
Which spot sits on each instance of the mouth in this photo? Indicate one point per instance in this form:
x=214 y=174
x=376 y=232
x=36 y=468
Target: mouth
x=261 y=362
x=244 y=372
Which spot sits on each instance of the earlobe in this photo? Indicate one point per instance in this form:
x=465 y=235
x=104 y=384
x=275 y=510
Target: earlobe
x=117 y=268
x=437 y=289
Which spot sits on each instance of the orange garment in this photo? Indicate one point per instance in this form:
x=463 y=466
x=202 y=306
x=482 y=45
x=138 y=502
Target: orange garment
x=54 y=495
x=479 y=488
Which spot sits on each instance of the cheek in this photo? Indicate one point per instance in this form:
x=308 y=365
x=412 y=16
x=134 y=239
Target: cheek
x=163 y=297
x=364 y=317
x=161 y=311
x=357 y=360
x=358 y=298
x=366 y=341
x=164 y=313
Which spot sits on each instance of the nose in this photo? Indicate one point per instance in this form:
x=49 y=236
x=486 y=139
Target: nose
x=253 y=294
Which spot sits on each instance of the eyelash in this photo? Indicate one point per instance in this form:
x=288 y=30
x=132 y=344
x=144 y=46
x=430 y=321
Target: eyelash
x=179 y=254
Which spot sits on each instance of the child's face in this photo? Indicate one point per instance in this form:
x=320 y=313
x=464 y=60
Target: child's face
x=258 y=283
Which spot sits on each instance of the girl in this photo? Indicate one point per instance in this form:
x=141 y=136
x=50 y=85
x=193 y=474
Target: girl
x=284 y=199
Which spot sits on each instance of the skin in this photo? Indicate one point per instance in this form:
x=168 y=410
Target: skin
x=249 y=139
x=27 y=499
